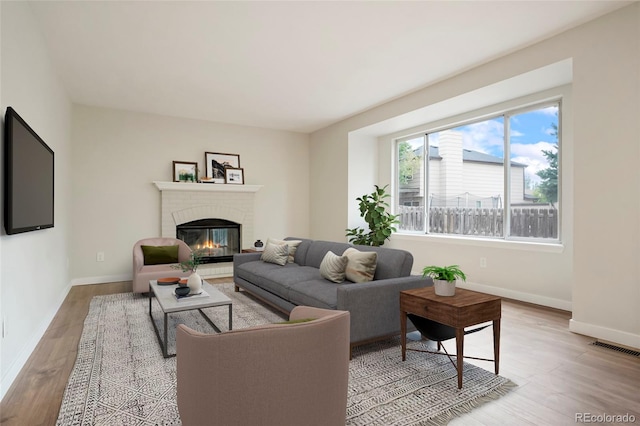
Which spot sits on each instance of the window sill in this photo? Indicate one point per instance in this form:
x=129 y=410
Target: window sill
x=478 y=242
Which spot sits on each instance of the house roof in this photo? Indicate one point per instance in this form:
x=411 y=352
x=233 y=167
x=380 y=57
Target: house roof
x=469 y=155
x=480 y=157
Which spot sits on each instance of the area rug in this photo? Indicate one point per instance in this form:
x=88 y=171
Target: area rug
x=121 y=378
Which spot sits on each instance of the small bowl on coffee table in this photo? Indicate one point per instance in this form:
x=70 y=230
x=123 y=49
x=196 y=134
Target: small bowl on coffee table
x=182 y=290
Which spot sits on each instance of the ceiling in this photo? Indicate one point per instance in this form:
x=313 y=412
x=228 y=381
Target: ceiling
x=295 y=65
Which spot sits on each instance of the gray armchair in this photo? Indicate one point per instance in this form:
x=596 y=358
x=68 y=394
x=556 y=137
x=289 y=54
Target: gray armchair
x=276 y=374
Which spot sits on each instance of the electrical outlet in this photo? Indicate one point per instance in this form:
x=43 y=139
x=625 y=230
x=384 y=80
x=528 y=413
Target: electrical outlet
x=100 y=256
x=483 y=262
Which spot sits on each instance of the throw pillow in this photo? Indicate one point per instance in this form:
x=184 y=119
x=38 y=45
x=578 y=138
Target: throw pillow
x=296 y=321
x=361 y=265
x=293 y=246
x=159 y=255
x=275 y=253
x=333 y=267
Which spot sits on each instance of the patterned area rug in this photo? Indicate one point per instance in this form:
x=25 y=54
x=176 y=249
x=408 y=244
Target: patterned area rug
x=121 y=378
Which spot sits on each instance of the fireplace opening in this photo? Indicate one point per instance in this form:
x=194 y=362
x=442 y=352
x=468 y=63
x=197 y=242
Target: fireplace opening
x=218 y=238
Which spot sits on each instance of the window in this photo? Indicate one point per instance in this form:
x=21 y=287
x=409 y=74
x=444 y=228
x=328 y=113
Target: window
x=456 y=180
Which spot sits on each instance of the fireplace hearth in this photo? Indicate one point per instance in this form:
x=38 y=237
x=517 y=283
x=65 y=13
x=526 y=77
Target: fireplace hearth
x=219 y=239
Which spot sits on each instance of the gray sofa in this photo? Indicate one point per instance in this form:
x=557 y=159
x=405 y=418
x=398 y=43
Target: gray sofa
x=374 y=305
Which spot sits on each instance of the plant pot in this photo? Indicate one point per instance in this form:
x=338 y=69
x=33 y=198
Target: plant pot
x=444 y=288
x=194 y=282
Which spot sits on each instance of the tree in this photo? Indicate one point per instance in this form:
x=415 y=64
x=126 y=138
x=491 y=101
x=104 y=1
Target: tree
x=408 y=163
x=548 y=188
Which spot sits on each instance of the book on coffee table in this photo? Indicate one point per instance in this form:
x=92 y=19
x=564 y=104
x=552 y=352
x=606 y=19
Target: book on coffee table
x=190 y=296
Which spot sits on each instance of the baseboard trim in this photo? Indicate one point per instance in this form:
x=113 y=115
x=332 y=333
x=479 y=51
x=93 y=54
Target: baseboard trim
x=101 y=279
x=519 y=295
x=596 y=331
x=206 y=271
x=12 y=373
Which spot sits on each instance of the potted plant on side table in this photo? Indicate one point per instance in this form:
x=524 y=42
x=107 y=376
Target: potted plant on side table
x=444 y=278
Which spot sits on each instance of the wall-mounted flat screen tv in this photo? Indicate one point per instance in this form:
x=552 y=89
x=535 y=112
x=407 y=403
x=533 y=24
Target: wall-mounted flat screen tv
x=28 y=177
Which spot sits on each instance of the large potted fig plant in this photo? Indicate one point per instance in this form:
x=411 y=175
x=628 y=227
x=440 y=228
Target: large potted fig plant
x=444 y=278
x=374 y=210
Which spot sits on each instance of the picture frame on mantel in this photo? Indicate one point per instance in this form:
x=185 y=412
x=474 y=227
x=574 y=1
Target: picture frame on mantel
x=234 y=176
x=185 y=171
x=217 y=162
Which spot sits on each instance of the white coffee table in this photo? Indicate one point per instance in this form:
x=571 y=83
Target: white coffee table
x=165 y=296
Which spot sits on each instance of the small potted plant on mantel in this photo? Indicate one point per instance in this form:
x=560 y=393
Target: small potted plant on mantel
x=444 y=278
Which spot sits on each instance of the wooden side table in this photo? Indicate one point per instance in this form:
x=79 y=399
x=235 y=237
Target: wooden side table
x=465 y=309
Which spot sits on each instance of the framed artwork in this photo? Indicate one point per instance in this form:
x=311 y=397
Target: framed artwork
x=217 y=162
x=234 y=175
x=185 y=171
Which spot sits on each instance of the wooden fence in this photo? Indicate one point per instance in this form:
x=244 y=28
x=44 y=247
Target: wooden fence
x=525 y=222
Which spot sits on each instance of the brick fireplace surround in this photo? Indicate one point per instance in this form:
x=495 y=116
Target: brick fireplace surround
x=185 y=202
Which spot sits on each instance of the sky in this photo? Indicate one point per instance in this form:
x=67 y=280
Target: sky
x=531 y=133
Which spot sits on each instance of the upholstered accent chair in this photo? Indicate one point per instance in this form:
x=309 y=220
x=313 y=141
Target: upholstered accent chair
x=142 y=273
x=276 y=374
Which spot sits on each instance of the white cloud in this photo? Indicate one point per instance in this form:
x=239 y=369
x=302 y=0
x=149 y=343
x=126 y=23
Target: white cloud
x=552 y=110
x=532 y=156
x=485 y=136
x=533 y=150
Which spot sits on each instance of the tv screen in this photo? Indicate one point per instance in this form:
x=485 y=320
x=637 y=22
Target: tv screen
x=28 y=177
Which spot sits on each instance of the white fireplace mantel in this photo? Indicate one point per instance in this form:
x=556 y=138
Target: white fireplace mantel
x=183 y=202
x=212 y=187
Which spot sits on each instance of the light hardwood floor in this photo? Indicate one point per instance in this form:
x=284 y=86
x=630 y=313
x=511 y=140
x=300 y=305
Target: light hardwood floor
x=558 y=373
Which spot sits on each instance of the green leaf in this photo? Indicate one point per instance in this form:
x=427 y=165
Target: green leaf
x=373 y=209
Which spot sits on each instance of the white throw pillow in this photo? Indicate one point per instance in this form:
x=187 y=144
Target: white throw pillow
x=293 y=246
x=275 y=253
x=333 y=267
x=361 y=265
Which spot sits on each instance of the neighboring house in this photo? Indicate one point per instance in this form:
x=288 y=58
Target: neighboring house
x=461 y=177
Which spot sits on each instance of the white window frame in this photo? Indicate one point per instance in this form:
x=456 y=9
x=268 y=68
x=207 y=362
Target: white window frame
x=506 y=113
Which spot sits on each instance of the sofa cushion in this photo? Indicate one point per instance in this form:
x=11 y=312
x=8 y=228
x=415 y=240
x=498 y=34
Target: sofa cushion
x=275 y=253
x=160 y=255
x=392 y=263
x=361 y=265
x=319 y=293
x=318 y=249
x=301 y=252
x=274 y=278
x=292 y=244
x=333 y=267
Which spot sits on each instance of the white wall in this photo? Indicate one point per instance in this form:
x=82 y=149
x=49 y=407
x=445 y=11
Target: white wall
x=363 y=151
x=606 y=287
x=329 y=184
x=580 y=274
x=34 y=276
x=118 y=154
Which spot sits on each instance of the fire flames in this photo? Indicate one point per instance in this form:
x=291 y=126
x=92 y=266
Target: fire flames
x=212 y=248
